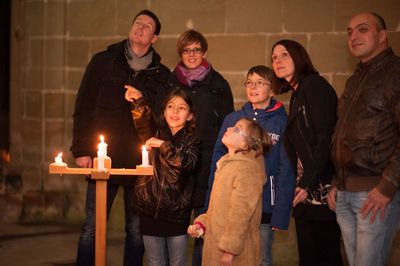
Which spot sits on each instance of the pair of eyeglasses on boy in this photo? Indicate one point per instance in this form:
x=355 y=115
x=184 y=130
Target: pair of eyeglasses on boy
x=258 y=84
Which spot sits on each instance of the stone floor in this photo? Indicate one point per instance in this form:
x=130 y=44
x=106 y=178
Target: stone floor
x=55 y=245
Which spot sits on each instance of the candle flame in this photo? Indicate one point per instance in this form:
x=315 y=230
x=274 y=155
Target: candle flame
x=59 y=155
x=144 y=148
x=101 y=138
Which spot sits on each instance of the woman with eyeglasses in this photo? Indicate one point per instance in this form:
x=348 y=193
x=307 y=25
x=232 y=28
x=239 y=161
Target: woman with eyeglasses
x=212 y=99
x=312 y=118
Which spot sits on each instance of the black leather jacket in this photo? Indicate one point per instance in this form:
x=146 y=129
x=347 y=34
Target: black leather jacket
x=311 y=121
x=167 y=195
x=366 y=143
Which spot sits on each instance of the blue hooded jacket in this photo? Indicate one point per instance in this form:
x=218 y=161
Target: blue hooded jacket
x=280 y=172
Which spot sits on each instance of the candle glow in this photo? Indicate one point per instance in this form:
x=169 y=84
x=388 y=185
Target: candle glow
x=58 y=159
x=101 y=153
x=145 y=156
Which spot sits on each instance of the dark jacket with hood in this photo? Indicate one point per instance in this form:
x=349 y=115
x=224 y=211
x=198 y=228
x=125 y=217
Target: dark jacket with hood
x=280 y=173
x=212 y=99
x=101 y=107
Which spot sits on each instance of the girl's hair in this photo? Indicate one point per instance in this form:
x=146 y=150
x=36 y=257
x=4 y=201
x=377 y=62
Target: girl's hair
x=188 y=37
x=257 y=139
x=302 y=64
x=190 y=125
x=264 y=72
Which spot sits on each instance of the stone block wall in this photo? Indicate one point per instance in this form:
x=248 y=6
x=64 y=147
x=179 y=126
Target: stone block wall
x=53 y=40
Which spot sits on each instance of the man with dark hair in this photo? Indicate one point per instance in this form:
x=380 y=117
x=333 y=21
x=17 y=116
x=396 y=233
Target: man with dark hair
x=101 y=108
x=366 y=146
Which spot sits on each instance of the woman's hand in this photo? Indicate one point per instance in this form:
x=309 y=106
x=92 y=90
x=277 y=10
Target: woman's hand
x=132 y=93
x=226 y=259
x=153 y=143
x=300 y=194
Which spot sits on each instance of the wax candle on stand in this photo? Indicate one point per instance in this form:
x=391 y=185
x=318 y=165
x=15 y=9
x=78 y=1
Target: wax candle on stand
x=145 y=156
x=58 y=160
x=101 y=153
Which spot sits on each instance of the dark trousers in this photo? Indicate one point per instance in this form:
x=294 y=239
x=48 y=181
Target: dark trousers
x=134 y=249
x=318 y=243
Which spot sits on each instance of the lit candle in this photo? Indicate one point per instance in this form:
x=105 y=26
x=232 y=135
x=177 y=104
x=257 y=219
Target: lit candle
x=145 y=156
x=101 y=153
x=58 y=159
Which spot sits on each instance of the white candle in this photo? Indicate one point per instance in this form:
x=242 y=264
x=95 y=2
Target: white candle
x=102 y=145
x=58 y=159
x=101 y=153
x=145 y=156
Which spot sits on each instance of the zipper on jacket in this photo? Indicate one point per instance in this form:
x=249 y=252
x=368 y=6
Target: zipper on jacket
x=304 y=114
x=305 y=140
x=160 y=194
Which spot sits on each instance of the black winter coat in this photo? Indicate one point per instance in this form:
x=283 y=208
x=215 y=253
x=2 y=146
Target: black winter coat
x=101 y=107
x=213 y=100
x=312 y=118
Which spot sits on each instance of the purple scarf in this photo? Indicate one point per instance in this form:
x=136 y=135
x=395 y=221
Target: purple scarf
x=188 y=76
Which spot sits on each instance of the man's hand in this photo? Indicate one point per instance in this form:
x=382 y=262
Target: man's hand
x=132 y=93
x=84 y=161
x=375 y=202
x=226 y=259
x=332 y=198
x=300 y=194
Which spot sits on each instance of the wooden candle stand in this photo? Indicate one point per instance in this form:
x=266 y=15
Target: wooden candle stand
x=101 y=178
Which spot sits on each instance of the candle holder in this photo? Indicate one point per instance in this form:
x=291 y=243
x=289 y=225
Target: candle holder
x=101 y=176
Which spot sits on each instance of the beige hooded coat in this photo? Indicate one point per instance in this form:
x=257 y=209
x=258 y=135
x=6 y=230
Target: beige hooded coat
x=234 y=215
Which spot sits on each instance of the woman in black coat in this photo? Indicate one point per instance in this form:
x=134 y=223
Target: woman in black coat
x=312 y=118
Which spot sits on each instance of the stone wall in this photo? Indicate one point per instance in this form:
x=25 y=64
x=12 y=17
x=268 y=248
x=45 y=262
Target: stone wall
x=53 y=40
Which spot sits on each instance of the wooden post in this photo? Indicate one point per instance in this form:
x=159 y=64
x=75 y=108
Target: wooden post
x=101 y=178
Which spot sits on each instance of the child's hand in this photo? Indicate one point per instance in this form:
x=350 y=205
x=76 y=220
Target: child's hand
x=195 y=231
x=226 y=259
x=132 y=93
x=153 y=143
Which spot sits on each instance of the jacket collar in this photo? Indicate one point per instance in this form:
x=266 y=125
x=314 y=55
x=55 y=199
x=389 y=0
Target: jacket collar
x=377 y=62
x=118 y=50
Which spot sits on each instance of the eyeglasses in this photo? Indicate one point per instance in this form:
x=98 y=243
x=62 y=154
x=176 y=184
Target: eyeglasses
x=196 y=50
x=258 y=83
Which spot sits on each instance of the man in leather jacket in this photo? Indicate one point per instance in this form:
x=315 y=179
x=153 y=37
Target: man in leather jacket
x=366 y=146
x=101 y=108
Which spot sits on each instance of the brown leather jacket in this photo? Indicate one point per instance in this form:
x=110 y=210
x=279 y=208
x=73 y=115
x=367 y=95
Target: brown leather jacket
x=366 y=142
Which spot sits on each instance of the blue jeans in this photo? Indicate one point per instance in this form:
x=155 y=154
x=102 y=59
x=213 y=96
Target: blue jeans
x=160 y=250
x=267 y=238
x=134 y=249
x=366 y=244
